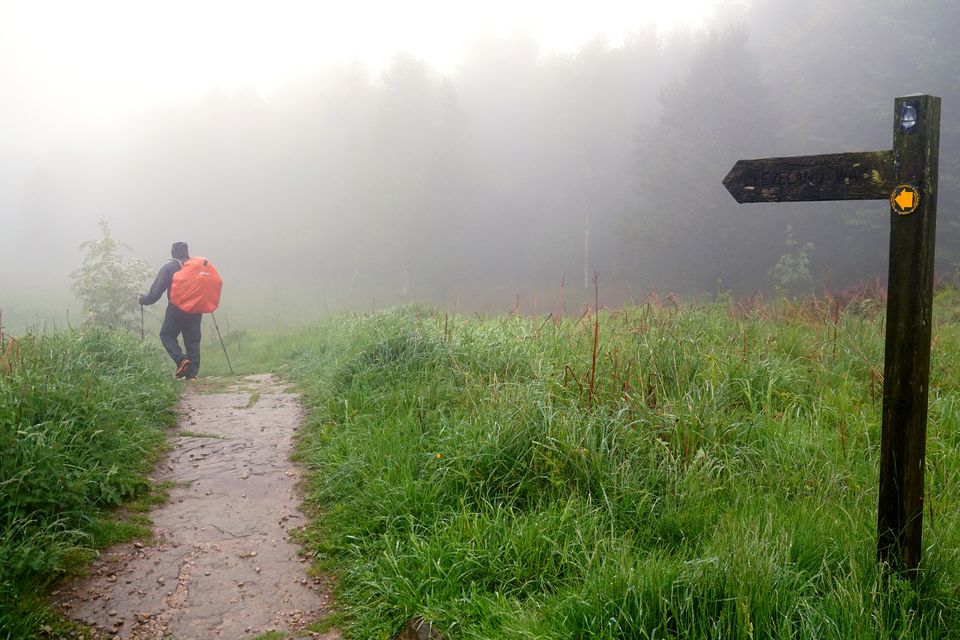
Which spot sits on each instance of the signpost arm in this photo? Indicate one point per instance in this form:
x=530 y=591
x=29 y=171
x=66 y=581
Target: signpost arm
x=916 y=143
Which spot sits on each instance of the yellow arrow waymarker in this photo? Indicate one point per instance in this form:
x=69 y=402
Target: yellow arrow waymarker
x=904 y=199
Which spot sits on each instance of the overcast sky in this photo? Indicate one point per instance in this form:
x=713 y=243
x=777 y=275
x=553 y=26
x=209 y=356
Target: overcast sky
x=68 y=69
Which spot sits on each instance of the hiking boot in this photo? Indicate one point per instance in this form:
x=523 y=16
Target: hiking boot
x=182 y=368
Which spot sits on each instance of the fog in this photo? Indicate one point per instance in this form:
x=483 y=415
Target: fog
x=477 y=181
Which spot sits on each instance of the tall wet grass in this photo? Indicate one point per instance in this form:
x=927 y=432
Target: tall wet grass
x=719 y=481
x=82 y=416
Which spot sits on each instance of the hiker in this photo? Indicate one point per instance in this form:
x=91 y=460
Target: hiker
x=176 y=321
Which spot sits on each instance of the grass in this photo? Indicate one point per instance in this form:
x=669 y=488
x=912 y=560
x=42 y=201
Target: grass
x=688 y=471
x=717 y=479
x=82 y=420
x=200 y=434
x=250 y=351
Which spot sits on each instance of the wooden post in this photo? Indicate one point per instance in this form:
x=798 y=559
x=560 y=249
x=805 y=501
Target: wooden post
x=906 y=371
x=907 y=176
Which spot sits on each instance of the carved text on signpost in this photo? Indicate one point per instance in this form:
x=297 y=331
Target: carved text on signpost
x=865 y=175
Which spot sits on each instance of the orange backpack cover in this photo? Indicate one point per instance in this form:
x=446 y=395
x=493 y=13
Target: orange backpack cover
x=196 y=286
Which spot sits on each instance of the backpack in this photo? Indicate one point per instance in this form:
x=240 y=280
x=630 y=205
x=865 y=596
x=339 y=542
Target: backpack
x=196 y=286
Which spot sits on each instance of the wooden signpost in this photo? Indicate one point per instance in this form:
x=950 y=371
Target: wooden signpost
x=906 y=176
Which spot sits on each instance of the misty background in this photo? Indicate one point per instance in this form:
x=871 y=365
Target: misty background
x=486 y=184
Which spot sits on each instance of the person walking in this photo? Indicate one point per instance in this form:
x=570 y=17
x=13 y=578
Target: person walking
x=177 y=322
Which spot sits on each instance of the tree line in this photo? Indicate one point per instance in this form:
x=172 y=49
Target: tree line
x=519 y=171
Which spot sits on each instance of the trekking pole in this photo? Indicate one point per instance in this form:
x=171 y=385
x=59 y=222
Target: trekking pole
x=221 y=343
x=141 y=323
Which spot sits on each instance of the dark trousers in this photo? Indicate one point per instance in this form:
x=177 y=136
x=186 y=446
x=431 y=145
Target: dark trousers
x=176 y=322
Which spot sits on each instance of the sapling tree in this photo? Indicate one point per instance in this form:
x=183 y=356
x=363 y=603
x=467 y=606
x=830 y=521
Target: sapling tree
x=791 y=274
x=106 y=284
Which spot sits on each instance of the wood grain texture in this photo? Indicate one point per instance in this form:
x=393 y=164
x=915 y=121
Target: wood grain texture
x=864 y=175
x=906 y=371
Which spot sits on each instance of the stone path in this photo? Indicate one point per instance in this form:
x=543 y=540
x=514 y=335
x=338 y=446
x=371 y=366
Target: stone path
x=221 y=564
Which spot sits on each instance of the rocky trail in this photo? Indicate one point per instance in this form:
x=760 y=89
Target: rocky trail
x=221 y=563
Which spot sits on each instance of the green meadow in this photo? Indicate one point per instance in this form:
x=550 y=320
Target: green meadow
x=82 y=419
x=663 y=470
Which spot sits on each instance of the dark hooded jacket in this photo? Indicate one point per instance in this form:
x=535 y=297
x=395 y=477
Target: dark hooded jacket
x=180 y=253
x=161 y=283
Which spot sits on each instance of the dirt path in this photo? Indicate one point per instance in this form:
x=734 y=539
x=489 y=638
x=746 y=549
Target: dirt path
x=221 y=564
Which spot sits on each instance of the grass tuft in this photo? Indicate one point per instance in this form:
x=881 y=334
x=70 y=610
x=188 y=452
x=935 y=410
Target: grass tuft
x=82 y=419
x=694 y=471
